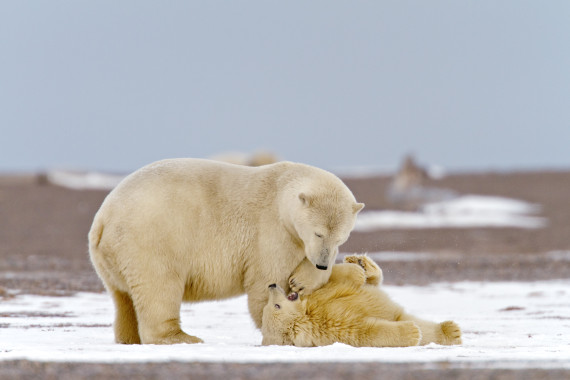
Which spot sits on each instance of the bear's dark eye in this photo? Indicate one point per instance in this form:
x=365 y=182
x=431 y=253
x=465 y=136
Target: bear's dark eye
x=277 y=306
x=318 y=235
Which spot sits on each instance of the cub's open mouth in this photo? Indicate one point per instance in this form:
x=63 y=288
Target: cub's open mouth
x=293 y=296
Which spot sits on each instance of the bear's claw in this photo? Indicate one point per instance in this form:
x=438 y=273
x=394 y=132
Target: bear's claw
x=297 y=288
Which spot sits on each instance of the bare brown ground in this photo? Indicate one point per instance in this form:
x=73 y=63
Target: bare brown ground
x=43 y=250
x=223 y=371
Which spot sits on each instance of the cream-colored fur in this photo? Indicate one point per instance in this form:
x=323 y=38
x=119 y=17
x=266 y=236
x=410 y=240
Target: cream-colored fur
x=352 y=309
x=193 y=230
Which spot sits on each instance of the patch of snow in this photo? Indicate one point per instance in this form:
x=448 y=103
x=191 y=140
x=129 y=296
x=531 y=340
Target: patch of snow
x=479 y=204
x=384 y=256
x=84 y=180
x=402 y=256
x=559 y=255
x=463 y=212
x=436 y=172
x=505 y=325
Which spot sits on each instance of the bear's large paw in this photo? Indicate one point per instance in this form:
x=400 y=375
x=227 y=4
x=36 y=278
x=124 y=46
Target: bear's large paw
x=303 y=286
x=410 y=334
x=306 y=278
x=178 y=338
x=371 y=269
x=451 y=333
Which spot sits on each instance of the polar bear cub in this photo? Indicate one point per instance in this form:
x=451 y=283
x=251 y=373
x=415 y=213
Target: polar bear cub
x=352 y=309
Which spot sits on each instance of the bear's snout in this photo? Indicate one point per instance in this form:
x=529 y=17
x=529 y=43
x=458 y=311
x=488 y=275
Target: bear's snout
x=272 y=286
x=322 y=267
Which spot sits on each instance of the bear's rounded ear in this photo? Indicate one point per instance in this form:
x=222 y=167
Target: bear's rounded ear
x=305 y=199
x=357 y=207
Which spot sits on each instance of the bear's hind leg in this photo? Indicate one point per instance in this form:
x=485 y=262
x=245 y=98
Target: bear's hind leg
x=157 y=305
x=451 y=333
x=126 y=325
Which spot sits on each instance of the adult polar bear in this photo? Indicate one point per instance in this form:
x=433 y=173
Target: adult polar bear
x=193 y=230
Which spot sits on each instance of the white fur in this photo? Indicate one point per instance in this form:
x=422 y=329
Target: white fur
x=194 y=230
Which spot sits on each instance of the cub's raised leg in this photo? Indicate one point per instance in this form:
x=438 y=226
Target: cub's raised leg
x=371 y=269
x=347 y=274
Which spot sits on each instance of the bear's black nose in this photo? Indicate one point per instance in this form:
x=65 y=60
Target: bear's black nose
x=322 y=267
x=272 y=286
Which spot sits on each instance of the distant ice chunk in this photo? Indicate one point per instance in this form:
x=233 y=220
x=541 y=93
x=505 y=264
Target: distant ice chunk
x=469 y=211
x=84 y=180
x=479 y=204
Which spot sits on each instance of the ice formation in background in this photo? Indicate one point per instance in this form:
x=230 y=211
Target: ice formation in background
x=466 y=211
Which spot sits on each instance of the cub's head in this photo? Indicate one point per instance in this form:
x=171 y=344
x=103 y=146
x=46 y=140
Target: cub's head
x=323 y=222
x=279 y=316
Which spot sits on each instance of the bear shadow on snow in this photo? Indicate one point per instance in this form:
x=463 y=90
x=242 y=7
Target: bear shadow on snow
x=351 y=308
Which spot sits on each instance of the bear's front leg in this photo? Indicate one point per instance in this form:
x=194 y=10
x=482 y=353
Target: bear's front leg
x=306 y=278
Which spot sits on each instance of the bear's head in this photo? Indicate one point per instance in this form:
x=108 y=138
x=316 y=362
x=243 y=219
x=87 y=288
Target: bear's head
x=279 y=316
x=323 y=221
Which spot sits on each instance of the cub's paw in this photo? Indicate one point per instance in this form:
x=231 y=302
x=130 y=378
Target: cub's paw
x=410 y=334
x=371 y=269
x=451 y=333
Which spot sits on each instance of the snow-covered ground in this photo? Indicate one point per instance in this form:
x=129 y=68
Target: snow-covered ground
x=505 y=325
x=462 y=212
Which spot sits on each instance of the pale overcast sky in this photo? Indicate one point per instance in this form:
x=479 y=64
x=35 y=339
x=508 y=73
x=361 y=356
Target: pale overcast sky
x=113 y=85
